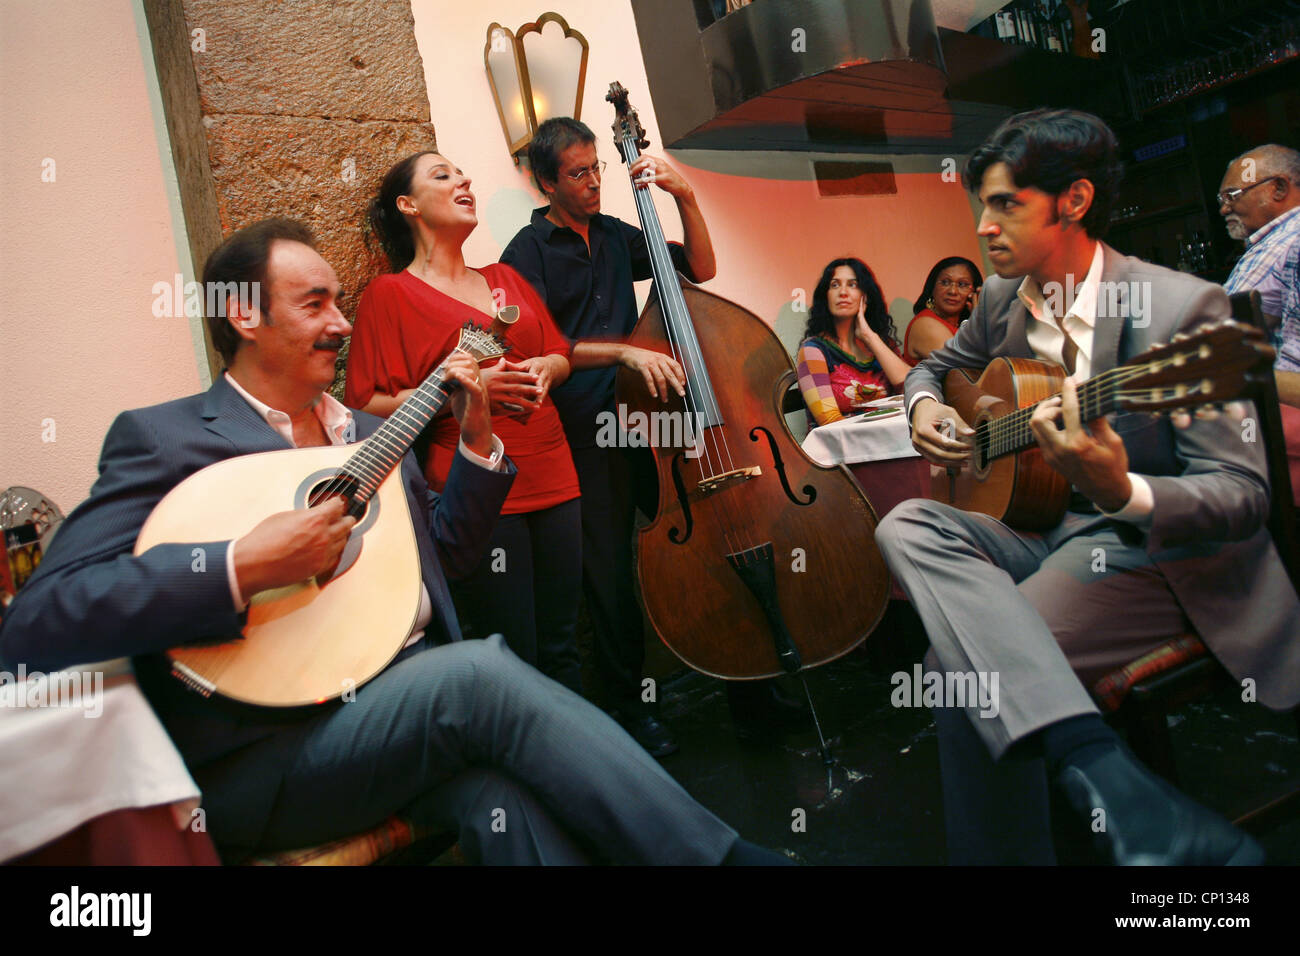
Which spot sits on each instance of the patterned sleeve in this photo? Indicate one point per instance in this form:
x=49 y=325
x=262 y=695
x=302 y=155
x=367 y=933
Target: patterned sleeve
x=815 y=384
x=1288 y=356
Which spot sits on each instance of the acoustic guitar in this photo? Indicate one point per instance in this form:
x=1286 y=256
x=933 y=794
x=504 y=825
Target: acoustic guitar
x=314 y=641
x=1007 y=477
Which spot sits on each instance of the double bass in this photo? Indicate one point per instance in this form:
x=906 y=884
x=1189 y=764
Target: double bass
x=759 y=561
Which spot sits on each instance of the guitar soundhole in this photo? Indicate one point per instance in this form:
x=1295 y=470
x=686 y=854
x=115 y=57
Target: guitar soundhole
x=326 y=483
x=979 y=460
x=322 y=491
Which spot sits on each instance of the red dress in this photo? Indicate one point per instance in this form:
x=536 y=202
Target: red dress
x=405 y=327
x=907 y=356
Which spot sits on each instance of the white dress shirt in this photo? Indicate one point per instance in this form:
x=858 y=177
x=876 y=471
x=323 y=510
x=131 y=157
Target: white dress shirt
x=336 y=419
x=1048 y=344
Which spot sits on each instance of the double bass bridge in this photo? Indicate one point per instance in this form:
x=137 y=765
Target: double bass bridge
x=707 y=486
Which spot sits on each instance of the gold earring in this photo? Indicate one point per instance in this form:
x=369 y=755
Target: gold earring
x=929 y=303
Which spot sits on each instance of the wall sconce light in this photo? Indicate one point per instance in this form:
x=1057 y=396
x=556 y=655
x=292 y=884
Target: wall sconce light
x=535 y=73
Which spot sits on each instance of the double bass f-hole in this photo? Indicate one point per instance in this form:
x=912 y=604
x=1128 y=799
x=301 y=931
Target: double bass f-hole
x=779 y=464
x=675 y=534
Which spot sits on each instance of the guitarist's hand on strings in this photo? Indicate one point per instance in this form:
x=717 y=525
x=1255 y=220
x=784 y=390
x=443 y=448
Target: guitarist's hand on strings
x=292 y=546
x=931 y=442
x=470 y=403
x=1091 y=457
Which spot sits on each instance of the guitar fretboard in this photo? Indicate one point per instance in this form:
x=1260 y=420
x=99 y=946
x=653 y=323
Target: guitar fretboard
x=379 y=454
x=1011 y=433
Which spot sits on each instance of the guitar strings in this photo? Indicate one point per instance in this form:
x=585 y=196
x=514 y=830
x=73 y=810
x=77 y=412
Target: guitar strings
x=430 y=395
x=375 y=459
x=1012 y=430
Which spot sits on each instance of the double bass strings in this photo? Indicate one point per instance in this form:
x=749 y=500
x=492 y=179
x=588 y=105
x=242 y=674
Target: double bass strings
x=683 y=343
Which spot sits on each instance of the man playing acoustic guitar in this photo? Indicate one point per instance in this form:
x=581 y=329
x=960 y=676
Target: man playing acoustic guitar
x=1165 y=532
x=456 y=734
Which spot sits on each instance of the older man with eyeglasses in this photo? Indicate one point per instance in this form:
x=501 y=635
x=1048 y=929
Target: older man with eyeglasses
x=1260 y=200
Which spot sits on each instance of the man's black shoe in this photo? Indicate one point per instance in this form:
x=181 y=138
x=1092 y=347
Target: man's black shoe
x=650 y=732
x=1139 y=820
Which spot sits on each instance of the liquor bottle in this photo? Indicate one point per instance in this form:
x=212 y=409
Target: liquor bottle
x=1006 y=24
x=1030 y=36
x=1065 y=26
x=1052 y=37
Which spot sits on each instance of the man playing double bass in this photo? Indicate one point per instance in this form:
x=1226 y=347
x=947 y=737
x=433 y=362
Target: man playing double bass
x=583 y=263
x=1177 y=514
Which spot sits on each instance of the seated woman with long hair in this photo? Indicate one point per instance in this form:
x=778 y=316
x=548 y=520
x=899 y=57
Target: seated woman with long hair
x=528 y=585
x=951 y=290
x=848 y=356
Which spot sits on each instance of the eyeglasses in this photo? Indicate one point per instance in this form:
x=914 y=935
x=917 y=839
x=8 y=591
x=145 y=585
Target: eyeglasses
x=1230 y=196
x=596 y=169
x=961 y=284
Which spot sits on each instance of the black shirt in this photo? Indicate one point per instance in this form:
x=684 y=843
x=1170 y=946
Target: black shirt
x=590 y=296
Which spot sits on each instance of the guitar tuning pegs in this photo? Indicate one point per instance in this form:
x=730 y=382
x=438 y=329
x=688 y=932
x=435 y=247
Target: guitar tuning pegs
x=1207 y=413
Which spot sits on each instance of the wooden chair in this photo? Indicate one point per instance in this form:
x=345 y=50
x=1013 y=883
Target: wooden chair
x=1140 y=696
x=396 y=840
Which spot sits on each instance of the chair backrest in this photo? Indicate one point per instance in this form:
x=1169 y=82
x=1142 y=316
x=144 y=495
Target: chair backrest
x=792 y=404
x=1282 y=513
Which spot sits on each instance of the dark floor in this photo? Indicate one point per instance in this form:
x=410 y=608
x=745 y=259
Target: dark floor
x=885 y=805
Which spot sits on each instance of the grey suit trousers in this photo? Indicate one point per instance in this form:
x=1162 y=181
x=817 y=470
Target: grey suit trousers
x=468 y=736
x=1048 y=614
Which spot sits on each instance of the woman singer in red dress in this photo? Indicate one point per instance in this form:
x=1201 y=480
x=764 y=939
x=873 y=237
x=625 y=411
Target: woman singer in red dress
x=528 y=585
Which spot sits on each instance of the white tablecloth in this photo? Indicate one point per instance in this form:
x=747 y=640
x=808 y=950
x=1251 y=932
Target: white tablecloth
x=63 y=766
x=854 y=440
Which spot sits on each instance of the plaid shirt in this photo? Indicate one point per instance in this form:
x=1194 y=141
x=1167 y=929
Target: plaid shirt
x=1288 y=354
x=1260 y=268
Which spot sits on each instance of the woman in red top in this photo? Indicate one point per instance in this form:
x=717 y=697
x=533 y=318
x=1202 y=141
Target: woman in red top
x=950 y=293
x=528 y=585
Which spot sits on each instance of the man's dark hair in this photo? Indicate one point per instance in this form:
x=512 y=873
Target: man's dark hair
x=242 y=258
x=1049 y=149
x=551 y=139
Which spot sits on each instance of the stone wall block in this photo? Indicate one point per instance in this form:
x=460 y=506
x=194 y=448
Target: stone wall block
x=322 y=172
x=352 y=59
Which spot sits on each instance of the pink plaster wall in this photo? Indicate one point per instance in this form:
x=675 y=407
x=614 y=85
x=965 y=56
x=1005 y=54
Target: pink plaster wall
x=79 y=256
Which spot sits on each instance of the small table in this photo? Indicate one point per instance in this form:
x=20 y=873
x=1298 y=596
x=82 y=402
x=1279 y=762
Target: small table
x=101 y=782
x=879 y=453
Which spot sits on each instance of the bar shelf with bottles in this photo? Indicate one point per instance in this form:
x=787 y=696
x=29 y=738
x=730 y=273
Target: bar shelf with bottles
x=1161 y=215
x=1042 y=24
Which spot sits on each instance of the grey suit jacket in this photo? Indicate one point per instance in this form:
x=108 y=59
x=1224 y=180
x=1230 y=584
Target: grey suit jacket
x=1208 y=533
x=92 y=599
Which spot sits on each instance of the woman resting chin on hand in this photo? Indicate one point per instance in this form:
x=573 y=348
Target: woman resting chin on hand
x=848 y=356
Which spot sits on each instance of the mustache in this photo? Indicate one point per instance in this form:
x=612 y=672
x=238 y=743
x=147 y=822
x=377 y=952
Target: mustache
x=329 y=345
